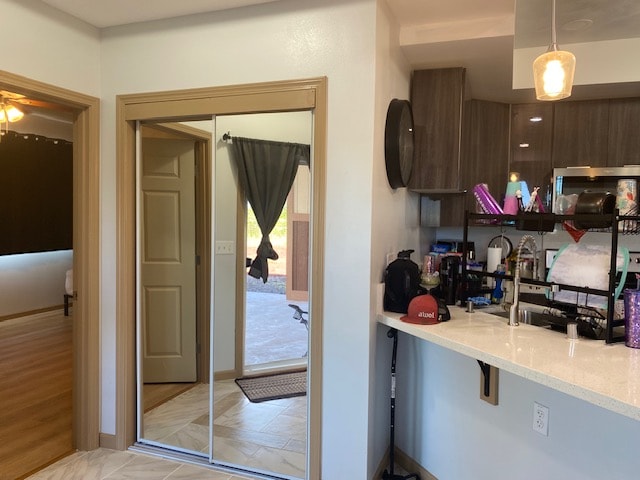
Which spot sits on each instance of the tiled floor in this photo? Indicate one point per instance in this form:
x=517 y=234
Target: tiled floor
x=268 y=436
x=103 y=464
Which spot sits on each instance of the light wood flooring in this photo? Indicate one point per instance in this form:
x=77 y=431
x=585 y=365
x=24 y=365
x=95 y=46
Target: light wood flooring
x=35 y=393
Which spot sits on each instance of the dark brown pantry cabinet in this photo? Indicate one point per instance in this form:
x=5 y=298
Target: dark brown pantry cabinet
x=436 y=101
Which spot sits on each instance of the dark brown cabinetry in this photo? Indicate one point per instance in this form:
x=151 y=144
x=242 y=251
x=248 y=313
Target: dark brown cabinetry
x=483 y=159
x=459 y=144
x=580 y=133
x=597 y=133
x=436 y=100
x=624 y=132
x=485 y=151
x=531 y=141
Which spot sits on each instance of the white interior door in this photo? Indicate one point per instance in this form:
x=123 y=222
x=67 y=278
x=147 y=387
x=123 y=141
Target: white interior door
x=168 y=261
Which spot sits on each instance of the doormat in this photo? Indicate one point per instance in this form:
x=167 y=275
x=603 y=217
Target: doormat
x=275 y=386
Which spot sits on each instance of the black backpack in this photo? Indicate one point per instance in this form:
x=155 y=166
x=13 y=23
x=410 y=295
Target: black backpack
x=401 y=283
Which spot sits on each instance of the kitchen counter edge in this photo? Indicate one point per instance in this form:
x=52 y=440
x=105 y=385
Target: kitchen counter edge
x=605 y=375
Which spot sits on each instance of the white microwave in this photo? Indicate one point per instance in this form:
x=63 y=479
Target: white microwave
x=575 y=180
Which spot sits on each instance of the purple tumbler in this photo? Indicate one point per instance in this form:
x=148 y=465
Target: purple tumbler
x=632 y=318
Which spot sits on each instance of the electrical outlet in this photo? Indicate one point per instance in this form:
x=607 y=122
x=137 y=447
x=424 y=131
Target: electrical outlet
x=541 y=419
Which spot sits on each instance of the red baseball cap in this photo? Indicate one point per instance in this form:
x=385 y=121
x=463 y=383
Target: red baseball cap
x=423 y=310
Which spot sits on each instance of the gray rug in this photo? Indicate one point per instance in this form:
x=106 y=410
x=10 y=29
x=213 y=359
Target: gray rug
x=272 y=387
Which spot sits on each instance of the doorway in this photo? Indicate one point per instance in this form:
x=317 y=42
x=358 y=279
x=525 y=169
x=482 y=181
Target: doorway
x=273 y=334
x=276 y=334
x=86 y=238
x=276 y=321
x=193 y=104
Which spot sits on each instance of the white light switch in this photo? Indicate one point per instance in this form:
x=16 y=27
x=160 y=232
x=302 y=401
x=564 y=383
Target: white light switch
x=225 y=247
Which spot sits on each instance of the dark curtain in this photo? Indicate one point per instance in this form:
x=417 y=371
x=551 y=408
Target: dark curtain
x=36 y=194
x=266 y=171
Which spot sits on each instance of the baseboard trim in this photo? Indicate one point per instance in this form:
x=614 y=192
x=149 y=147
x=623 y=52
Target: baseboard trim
x=410 y=465
x=384 y=463
x=108 y=440
x=224 y=375
x=32 y=313
x=405 y=462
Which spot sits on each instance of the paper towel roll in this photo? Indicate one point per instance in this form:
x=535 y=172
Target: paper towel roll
x=494 y=258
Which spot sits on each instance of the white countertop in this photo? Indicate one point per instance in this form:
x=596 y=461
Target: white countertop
x=605 y=375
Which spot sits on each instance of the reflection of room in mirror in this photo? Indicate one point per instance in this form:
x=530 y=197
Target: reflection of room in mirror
x=173 y=313
x=268 y=436
x=273 y=339
x=262 y=436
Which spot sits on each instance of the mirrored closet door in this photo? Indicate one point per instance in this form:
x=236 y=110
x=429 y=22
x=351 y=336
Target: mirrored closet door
x=203 y=316
x=173 y=312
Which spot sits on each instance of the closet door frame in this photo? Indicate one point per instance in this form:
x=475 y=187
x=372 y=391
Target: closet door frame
x=194 y=104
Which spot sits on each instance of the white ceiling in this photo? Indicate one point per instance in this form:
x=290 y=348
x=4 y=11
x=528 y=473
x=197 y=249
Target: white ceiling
x=109 y=13
x=475 y=34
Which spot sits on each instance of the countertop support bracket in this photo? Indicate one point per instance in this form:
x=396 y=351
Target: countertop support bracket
x=488 y=383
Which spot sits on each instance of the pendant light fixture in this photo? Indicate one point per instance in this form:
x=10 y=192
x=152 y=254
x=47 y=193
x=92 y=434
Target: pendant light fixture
x=553 y=71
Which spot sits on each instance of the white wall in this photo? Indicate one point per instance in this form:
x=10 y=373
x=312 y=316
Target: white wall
x=281 y=40
x=44 y=44
x=64 y=52
x=33 y=280
x=443 y=424
x=395 y=227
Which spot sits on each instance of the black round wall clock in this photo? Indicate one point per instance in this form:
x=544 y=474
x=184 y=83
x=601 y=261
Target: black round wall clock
x=398 y=143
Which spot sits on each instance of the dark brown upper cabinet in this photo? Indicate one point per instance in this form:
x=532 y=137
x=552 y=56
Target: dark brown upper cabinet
x=437 y=100
x=459 y=143
x=483 y=159
x=485 y=151
x=624 y=132
x=531 y=141
x=580 y=133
